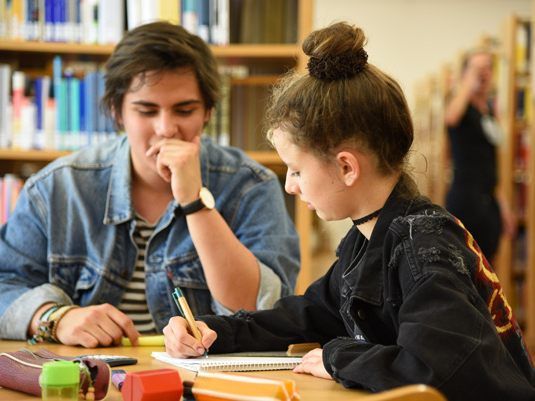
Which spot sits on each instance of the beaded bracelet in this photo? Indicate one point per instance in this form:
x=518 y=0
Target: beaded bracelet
x=43 y=332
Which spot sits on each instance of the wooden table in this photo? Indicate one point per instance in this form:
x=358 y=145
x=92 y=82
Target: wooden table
x=309 y=387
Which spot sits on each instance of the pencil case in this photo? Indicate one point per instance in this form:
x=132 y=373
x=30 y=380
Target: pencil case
x=20 y=371
x=210 y=386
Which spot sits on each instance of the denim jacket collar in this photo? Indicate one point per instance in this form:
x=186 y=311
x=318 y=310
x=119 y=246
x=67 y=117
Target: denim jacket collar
x=119 y=198
x=119 y=205
x=366 y=283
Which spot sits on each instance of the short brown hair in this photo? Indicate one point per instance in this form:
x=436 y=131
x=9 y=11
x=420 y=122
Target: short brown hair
x=343 y=99
x=159 y=46
x=474 y=52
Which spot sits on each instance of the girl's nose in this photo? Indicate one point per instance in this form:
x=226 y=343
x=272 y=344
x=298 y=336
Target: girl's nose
x=290 y=186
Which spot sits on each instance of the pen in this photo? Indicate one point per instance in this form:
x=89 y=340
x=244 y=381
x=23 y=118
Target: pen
x=183 y=307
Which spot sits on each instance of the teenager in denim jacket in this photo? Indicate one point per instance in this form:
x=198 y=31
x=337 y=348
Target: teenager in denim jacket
x=70 y=239
x=411 y=298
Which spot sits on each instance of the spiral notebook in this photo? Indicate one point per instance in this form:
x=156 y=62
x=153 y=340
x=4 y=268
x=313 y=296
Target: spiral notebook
x=226 y=363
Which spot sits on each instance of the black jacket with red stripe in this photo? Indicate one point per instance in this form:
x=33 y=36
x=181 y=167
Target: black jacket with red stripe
x=417 y=303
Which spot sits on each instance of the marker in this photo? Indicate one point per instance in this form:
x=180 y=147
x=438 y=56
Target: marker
x=183 y=307
x=117 y=378
x=145 y=341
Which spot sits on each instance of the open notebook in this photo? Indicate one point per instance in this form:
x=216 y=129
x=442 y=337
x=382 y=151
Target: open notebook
x=227 y=363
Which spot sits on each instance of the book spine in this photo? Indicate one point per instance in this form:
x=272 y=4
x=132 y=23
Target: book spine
x=49 y=123
x=17 y=99
x=189 y=16
x=27 y=129
x=133 y=14
x=49 y=20
x=40 y=110
x=74 y=120
x=5 y=107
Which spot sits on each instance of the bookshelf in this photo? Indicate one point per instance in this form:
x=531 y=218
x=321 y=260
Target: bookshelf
x=430 y=156
x=515 y=264
x=515 y=79
x=266 y=61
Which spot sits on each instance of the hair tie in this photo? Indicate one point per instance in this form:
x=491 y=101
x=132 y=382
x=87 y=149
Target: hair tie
x=342 y=66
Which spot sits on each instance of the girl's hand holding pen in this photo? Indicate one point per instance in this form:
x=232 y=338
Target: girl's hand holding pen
x=180 y=342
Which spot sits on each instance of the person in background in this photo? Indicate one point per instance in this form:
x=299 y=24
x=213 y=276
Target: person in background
x=100 y=238
x=474 y=135
x=410 y=299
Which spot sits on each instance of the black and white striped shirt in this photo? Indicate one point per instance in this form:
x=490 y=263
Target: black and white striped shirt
x=134 y=301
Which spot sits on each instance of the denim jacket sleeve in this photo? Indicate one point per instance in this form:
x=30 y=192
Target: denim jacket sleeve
x=269 y=292
x=262 y=224
x=24 y=275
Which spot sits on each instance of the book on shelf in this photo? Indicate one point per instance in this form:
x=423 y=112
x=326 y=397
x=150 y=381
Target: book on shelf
x=523 y=47
x=249 y=101
x=5 y=105
x=10 y=187
x=88 y=21
x=218 y=22
x=110 y=21
x=58 y=112
x=266 y=21
x=140 y=12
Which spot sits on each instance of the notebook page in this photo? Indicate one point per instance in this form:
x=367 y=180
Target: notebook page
x=225 y=363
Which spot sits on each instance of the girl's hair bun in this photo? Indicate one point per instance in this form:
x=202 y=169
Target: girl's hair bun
x=336 y=52
x=343 y=66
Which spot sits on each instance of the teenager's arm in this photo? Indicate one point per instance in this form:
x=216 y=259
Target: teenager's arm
x=458 y=104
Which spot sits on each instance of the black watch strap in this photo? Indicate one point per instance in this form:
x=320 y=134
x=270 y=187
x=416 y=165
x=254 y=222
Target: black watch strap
x=206 y=200
x=192 y=207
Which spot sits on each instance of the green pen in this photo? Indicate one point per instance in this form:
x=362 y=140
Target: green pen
x=183 y=307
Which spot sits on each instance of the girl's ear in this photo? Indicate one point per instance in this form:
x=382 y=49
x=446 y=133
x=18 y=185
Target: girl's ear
x=349 y=167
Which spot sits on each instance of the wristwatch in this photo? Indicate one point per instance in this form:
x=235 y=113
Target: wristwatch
x=206 y=200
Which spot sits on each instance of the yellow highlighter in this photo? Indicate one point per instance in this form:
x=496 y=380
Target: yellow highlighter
x=145 y=341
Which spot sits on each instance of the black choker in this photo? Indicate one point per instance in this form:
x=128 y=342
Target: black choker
x=367 y=218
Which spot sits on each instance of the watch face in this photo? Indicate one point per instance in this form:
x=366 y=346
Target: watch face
x=207 y=198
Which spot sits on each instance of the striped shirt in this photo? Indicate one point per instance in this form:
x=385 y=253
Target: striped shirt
x=134 y=301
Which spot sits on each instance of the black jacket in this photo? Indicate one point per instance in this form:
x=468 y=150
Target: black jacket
x=416 y=304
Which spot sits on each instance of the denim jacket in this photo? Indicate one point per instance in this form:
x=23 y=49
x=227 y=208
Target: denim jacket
x=417 y=303
x=70 y=240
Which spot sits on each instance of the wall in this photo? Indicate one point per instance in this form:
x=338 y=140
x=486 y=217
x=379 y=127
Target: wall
x=410 y=39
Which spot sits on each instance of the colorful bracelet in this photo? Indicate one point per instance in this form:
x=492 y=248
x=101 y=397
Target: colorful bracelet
x=43 y=332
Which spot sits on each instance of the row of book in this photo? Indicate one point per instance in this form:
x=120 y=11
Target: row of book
x=238 y=118
x=521 y=174
x=218 y=22
x=59 y=112
x=89 y=21
x=523 y=47
x=62 y=111
x=10 y=187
